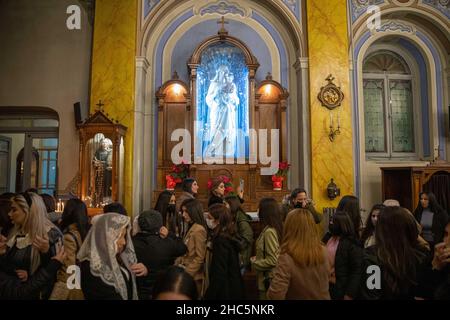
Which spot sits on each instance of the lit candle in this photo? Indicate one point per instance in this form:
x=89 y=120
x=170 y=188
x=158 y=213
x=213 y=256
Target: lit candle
x=62 y=206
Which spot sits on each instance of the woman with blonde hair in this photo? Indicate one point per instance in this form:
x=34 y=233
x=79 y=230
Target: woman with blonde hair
x=303 y=268
x=34 y=238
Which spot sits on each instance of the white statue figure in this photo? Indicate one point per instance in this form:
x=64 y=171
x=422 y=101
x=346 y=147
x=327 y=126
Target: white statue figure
x=223 y=101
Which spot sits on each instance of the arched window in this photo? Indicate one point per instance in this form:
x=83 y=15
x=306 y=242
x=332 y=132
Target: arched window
x=388 y=106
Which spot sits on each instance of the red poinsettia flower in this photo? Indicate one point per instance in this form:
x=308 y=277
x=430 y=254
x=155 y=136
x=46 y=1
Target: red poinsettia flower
x=210 y=183
x=225 y=179
x=284 y=165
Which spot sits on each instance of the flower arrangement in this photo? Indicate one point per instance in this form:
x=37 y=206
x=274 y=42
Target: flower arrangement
x=277 y=179
x=283 y=168
x=226 y=181
x=176 y=175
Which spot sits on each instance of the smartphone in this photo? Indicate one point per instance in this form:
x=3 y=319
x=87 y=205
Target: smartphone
x=241 y=184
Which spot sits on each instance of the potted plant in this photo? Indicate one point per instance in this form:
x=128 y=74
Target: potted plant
x=176 y=175
x=277 y=179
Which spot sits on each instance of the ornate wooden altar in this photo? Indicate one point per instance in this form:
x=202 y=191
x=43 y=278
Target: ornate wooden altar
x=177 y=108
x=101 y=161
x=405 y=184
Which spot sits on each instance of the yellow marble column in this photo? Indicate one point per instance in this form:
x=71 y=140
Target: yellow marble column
x=328 y=54
x=113 y=71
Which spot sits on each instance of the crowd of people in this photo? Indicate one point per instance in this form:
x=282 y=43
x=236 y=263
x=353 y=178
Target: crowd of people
x=181 y=250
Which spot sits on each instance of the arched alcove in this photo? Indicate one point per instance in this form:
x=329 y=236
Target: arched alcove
x=160 y=46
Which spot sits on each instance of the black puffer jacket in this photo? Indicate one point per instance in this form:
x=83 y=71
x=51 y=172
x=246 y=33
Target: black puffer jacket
x=11 y=288
x=225 y=281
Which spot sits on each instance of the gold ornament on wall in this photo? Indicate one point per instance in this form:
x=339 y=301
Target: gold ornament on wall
x=331 y=96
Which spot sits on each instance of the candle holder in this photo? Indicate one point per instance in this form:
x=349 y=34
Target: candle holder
x=334 y=132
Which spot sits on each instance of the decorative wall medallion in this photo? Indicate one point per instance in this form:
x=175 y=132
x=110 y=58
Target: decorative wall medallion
x=331 y=96
x=222 y=8
x=395 y=26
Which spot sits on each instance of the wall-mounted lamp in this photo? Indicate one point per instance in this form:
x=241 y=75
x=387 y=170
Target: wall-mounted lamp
x=267 y=89
x=334 y=132
x=332 y=190
x=176 y=89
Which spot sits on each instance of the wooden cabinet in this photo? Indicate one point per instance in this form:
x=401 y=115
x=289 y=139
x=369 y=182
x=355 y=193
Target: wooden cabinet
x=101 y=162
x=405 y=184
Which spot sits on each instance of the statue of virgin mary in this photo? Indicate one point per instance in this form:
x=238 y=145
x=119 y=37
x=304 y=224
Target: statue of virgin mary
x=222 y=100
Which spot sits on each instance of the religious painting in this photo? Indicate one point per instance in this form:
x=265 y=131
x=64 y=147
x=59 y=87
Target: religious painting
x=222 y=127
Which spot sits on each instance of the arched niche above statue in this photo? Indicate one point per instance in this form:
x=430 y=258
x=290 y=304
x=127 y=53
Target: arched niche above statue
x=174 y=104
x=270 y=110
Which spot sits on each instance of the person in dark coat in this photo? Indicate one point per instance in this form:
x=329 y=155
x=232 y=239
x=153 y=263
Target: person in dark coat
x=32 y=241
x=440 y=274
x=225 y=281
x=12 y=288
x=156 y=248
x=431 y=217
x=108 y=261
x=345 y=257
x=402 y=261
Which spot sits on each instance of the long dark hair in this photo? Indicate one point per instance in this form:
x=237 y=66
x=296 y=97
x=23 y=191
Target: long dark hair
x=5 y=222
x=396 y=248
x=369 y=229
x=49 y=201
x=75 y=211
x=176 y=280
x=343 y=226
x=235 y=205
x=270 y=215
x=350 y=204
x=162 y=203
x=195 y=210
x=115 y=207
x=226 y=227
x=433 y=204
x=187 y=185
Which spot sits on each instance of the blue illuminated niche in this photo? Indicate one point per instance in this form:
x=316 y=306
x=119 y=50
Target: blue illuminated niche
x=222 y=127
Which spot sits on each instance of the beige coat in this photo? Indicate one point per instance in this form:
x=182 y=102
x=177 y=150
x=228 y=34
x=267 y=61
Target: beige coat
x=291 y=282
x=194 y=260
x=60 y=290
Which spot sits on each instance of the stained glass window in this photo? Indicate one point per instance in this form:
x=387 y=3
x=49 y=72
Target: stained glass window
x=402 y=116
x=374 y=115
x=388 y=105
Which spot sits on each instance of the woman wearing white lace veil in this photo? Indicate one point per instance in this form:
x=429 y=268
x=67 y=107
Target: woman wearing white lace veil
x=107 y=258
